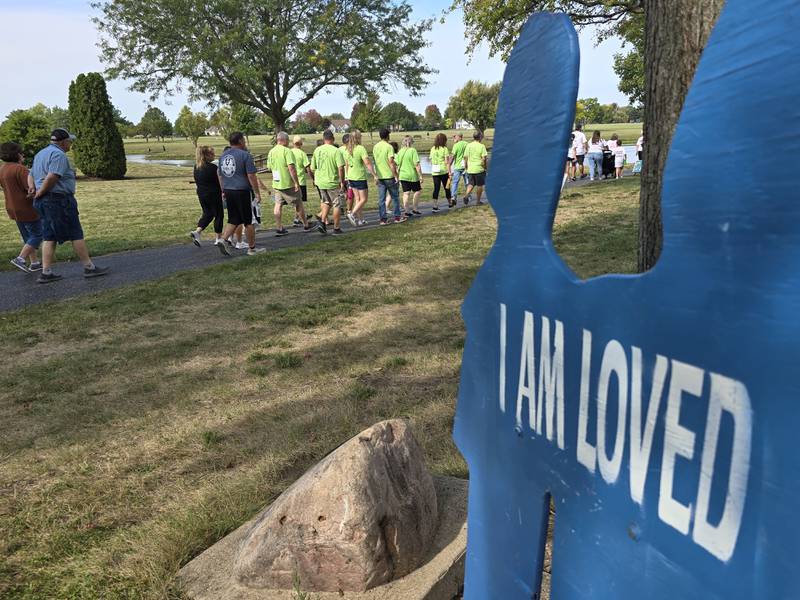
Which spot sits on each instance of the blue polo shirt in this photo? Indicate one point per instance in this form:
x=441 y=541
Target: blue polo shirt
x=53 y=159
x=234 y=165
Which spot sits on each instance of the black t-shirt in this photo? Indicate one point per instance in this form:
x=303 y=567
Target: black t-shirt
x=207 y=180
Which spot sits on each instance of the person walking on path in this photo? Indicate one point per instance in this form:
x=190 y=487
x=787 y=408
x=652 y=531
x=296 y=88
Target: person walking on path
x=459 y=165
x=388 y=178
x=327 y=164
x=640 y=146
x=303 y=167
x=579 y=145
x=285 y=184
x=55 y=201
x=356 y=168
x=237 y=173
x=441 y=169
x=410 y=176
x=476 y=157
x=18 y=189
x=209 y=193
x=595 y=156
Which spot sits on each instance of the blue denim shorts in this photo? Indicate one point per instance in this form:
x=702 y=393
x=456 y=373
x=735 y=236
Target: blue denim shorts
x=31 y=232
x=358 y=184
x=60 y=220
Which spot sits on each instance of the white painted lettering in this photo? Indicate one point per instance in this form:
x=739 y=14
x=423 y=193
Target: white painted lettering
x=503 y=326
x=527 y=376
x=614 y=361
x=551 y=382
x=587 y=454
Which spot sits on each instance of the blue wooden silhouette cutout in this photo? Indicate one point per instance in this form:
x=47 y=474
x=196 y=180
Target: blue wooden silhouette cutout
x=661 y=412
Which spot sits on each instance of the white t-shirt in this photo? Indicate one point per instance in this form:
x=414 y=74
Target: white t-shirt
x=571 y=152
x=579 y=143
x=640 y=144
x=598 y=146
x=612 y=144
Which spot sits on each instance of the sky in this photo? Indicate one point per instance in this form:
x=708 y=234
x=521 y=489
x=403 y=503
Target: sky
x=44 y=65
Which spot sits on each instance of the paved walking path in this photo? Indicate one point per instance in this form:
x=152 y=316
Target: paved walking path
x=18 y=289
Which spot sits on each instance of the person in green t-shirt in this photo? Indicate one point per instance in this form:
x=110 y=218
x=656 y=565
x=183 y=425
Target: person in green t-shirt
x=328 y=167
x=348 y=194
x=459 y=168
x=285 y=183
x=410 y=176
x=441 y=170
x=475 y=156
x=386 y=168
x=356 y=168
x=303 y=166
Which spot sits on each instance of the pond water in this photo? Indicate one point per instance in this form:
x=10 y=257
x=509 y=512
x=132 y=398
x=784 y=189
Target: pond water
x=424 y=159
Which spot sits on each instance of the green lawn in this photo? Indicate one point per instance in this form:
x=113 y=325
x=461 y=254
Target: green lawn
x=140 y=425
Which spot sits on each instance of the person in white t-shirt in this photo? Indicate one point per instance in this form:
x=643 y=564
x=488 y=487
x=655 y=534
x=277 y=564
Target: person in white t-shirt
x=579 y=146
x=595 y=155
x=640 y=146
x=619 y=155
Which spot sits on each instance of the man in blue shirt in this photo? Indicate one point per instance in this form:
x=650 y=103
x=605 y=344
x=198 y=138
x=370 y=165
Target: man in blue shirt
x=237 y=176
x=55 y=201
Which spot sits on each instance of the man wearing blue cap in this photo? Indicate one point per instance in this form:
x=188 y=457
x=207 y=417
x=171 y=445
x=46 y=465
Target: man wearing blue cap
x=55 y=201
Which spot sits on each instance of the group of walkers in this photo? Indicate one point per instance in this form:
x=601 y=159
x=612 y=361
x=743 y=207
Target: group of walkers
x=595 y=151
x=42 y=202
x=339 y=173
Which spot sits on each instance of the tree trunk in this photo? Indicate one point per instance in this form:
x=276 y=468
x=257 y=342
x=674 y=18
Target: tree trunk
x=676 y=31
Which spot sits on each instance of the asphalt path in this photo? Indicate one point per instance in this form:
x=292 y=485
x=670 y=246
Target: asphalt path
x=19 y=289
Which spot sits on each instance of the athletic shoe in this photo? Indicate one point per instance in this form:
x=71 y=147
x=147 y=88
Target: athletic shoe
x=363 y=222
x=573 y=179
x=195 y=238
x=416 y=213
x=225 y=249
x=254 y=251
x=229 y=242
x=435 y=209
x=218 y=241
x=338 y=231
x=297 y=223
x=309 y=227
x=400 y=219
x=95 y=272
x=35 y=266
x=465 y=200
x=242 y=245
x=480 y=203
x=49 y=278
x=20 y=264
x=384 y=222
x=408 y=215
x=322 y=228
x=352 y=218
x=281 y=232
x=584 y=176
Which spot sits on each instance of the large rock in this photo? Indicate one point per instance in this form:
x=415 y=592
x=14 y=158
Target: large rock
x=362 y=517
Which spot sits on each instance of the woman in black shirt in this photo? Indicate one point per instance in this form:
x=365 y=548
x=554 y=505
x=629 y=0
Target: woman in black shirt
x=209 y=193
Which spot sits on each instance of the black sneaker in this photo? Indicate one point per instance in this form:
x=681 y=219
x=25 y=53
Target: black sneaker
x=466 y=200
x=309 y=227
x=408 y=214
x=95 y=272
x=49 y=278
x=322 y=228
x=416 y=213
x=297 y=223
x=338 y=231
x=281 y=232
x=435 y=209
x=225 y=248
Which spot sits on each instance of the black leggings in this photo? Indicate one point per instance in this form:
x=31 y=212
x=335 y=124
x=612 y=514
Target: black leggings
x=212 y=211
x=441 y=181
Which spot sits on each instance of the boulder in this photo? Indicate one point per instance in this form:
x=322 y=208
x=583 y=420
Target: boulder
x=364 y=516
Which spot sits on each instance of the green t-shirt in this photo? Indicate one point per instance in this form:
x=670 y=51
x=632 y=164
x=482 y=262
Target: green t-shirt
x=439 y=160
x=407 y=161
x=325 y=163
x=356 y=169
x=301 y=162
x=458 y=154
x=382 y=152
x=475 y=153
x=278 y=161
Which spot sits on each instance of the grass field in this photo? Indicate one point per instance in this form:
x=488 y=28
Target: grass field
x=154 y=206
x=140 y=425
x=182 y=149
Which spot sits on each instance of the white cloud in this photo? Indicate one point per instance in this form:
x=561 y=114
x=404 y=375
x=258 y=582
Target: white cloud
x=44 y=65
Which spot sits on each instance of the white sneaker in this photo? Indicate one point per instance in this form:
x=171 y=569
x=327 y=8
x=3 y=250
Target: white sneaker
x=352 y=219
x=363 y=222
x=242 y=246
x=195 y=238
x=218 y=241
x=254 y=251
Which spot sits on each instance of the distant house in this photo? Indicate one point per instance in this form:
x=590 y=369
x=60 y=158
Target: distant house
x=340 y=125
x=462 y=124
x=213 y=130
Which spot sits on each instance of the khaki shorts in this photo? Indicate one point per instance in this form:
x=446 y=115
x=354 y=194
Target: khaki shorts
x=289 y=197
x=333 y=198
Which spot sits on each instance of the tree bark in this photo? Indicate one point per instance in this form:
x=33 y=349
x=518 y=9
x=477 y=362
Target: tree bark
x=676 y=31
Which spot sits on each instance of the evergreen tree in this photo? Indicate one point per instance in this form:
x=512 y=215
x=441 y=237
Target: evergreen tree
x=98 y=151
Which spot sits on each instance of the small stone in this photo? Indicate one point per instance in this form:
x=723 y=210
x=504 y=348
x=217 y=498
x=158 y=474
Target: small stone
x=364 y=516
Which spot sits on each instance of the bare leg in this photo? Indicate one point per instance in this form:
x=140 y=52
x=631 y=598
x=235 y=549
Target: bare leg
x=28 y=251
x=48 y=254
x=250 y=231
x=405 y=201
x=416 y=200
x=301 y=214
x=479 y=194
x=82 y=251
x=277 y=212
x=361 y=200
x=337 y=217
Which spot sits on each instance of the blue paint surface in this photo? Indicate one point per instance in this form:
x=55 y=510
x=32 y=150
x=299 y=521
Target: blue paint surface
x=707 y=507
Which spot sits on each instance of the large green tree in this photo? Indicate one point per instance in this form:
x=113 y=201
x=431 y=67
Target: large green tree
x=191 y=124
x=397 y=116
x=154 y=123
x=476 y=103
x=432 y=119
x=263 y=53
x=674 y=34
x=28 y=128
x=98 y=151
x=367 y=114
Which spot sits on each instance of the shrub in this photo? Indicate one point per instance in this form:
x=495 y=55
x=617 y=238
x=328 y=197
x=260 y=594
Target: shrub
x=28 y=129
x=98 y=151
